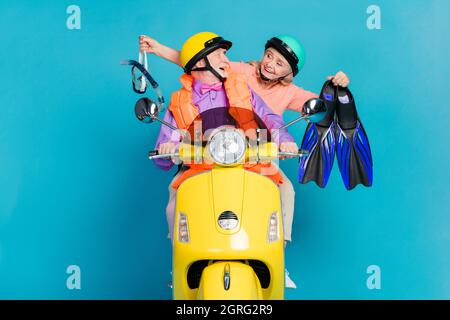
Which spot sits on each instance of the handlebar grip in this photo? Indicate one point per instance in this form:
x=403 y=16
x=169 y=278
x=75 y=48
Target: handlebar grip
x=300 y=153
x=152 y=153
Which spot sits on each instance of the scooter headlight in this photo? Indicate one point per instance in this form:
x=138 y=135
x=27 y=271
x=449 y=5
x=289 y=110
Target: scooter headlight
x=227 y=146
x=273 y=234
x=228 y=220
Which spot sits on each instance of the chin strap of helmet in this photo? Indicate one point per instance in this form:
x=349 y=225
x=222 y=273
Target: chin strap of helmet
x=209 y=68
x=264 y=78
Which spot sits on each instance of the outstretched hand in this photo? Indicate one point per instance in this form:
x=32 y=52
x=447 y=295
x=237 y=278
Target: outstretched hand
x=148 y=44
x=289 y=147
x=167 y=148
x=340 y=79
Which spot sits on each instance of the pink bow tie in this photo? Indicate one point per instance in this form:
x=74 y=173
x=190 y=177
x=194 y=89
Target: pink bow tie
x=206 y=87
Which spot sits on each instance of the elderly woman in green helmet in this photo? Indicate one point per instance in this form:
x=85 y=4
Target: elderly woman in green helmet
x=272 y=79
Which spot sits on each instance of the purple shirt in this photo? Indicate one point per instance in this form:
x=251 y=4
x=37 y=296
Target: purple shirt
x=216 y=99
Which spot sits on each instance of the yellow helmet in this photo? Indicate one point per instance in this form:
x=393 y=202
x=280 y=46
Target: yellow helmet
x=199 y=46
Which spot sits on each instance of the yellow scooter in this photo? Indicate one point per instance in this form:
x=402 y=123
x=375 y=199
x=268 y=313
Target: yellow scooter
x=228 y=232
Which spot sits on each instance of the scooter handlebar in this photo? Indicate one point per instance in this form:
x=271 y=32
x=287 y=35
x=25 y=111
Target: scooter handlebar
x=154 y=154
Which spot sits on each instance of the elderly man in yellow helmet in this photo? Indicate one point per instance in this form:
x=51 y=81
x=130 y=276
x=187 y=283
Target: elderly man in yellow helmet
x=206 y=84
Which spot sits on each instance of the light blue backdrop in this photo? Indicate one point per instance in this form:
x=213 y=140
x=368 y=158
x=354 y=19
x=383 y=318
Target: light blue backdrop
x=76 y=187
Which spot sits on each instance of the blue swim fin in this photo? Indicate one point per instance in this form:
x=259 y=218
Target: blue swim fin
x=319 y=140
x=352 y=144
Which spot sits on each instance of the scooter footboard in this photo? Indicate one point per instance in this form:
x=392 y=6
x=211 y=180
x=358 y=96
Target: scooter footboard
x=226 y=280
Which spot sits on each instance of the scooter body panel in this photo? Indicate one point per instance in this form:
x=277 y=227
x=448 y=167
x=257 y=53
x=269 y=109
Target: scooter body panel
x=253 y=198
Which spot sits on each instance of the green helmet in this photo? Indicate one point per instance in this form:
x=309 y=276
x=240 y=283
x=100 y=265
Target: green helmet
x=291 y=49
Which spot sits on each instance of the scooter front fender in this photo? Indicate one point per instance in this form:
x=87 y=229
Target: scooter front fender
x=227 y=280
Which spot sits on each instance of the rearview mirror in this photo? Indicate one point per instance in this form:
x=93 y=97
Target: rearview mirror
x=146 y=110
x=315 y=109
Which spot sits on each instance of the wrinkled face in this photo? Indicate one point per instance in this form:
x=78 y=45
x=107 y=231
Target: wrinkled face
x=274 y=65
x=218 y=61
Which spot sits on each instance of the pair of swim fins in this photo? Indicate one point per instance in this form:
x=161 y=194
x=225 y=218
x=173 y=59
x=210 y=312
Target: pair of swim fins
x=342 y=133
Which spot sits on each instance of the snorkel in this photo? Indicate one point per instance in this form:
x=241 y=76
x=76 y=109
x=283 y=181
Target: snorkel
x=139 y=83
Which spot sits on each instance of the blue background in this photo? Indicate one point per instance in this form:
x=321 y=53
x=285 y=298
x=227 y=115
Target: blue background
x=76 y=187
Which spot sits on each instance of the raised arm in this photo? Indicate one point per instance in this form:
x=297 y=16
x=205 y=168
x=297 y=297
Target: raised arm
x=271 y=119
x=150 y=45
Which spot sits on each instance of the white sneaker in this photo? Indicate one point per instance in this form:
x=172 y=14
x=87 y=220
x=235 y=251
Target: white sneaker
x=288 y=283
